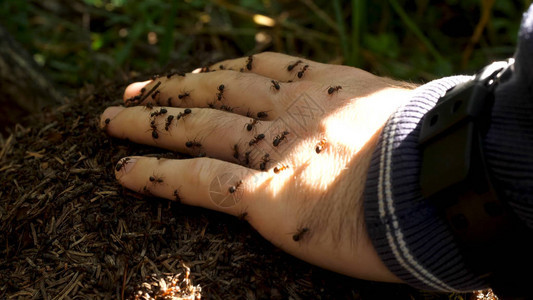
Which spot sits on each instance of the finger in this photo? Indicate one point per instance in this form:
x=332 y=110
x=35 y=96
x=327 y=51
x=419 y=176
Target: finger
x=199 y=132
x=203 y=182
x=245 y=94
x=277 y=66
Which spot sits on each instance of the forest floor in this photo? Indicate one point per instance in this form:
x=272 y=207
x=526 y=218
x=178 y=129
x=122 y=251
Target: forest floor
x=68 y=230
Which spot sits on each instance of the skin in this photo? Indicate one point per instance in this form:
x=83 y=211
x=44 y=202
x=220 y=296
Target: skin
x=312 y=207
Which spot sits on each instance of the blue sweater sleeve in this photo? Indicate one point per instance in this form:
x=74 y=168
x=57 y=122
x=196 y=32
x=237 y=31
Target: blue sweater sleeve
x=407 y=231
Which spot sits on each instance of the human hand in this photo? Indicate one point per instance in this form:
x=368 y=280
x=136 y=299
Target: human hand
x=288 y=144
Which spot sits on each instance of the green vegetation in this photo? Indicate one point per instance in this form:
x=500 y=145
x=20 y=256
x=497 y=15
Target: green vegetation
x=83 y=41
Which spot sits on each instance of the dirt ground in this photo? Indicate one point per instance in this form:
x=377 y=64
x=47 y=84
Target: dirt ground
x=68 y=230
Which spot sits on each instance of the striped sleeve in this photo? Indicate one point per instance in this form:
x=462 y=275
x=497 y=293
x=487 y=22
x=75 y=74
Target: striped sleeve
x=407 y=231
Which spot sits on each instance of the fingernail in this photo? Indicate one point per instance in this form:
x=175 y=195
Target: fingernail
x=108 y=115
x=124 y=166
x=135 y=89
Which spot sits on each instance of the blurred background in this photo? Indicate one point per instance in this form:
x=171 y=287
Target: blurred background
x=84 y=41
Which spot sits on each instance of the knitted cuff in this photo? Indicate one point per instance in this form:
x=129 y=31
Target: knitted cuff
x=407 y=231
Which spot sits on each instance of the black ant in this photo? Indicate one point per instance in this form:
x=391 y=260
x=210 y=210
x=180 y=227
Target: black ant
x=211 y=105
x=266 y=159
x=153 y=126
x=243 y=216
x=221 y=67
x=149 y=105
x=250 y=126
x=249 y=62
x=151 y=91
x=247 y=158
x=169 y=121
x=133 y=100
x=256 y=139
x=282 y=168
x=177 y=196
x=232 y=189
x=292 y=66
x=301 y=232
x=320 y=146
x=220 y=92
x=169 y=75
x=162 y=111
x=122 y=163
x=226 y=108
x=262 y=114
x=145 y=190
x=183 y=114
x=106 y=121
x=192 y=144
x=169 y=101
x=184 y=95
x=280 y=138
x=275 y=84
x=154 y=94
x=154 y=179
x=236 y=151
x=301 y=72
x=333 y=89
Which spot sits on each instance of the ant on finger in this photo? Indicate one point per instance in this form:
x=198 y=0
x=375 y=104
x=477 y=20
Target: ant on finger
x=153 y=127
x=220 y=93
x=236 y=151
x=155 y=180
x=301 y=232
x=169 y=121
x=281 y=168
x=249 y=62
x=193 y=144
x=184 y=95
x=122 y=163
x=262 y=114
x=176 y=195
x=279 y=138
x=247 y=158
x=256 y=139
x=266 y=159
x=183 y=114
x=232 y=189
x=250 y=126
x=275 y=85
x=302 y=71
x=320 y=146
x=333 y=89
x=162 y=111
x=292 y=66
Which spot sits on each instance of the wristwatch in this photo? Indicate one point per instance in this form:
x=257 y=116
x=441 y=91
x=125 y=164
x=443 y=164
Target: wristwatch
x=454 y=177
